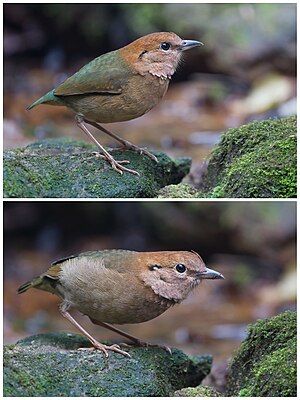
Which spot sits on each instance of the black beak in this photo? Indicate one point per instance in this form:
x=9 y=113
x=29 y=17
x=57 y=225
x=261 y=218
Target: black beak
x=189 y=44
x=209 y=274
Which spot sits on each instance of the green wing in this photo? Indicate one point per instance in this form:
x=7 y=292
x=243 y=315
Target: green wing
x=106 y=74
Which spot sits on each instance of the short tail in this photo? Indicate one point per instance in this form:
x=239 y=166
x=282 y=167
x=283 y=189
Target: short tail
x=48 y=98
x=35 y=282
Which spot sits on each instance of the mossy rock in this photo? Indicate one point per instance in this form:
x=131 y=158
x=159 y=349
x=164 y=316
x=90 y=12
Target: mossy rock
x=255 y=160
x=182 y=190
x=51 y=365
x=266 y=363
x=68 y=168
x=198 y=391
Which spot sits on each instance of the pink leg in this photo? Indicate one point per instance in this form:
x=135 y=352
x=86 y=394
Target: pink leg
x=116 y=165
x=104 y=348
x=125 y=143
x=135 y=340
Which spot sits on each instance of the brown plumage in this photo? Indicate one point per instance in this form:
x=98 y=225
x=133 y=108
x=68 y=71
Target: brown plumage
x=121 y=85
x=120 y=286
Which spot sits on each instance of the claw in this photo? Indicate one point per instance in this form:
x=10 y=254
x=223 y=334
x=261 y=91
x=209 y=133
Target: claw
x=126 y=144
x=116 y=165
x=98 y=155
x=104 y=348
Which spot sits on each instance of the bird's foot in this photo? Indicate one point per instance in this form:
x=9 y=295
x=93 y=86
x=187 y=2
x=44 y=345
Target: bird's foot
x=141 y=343
x=130 y=146
x=116 y=165
x=126 y=144
x=105 y=348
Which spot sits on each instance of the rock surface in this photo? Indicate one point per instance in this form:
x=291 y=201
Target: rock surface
x=266 y=363
x=52 y=365
x=68 y=168
x=254 y=160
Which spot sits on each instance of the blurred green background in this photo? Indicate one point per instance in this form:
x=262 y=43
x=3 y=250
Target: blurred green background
x=253 y=244
x=246 y=69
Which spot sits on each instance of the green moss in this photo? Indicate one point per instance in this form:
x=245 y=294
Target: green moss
x=180 y=191
x=199 y=391
x=265 y=364
x=52 y=365
x=68 y=168
x=255 y=160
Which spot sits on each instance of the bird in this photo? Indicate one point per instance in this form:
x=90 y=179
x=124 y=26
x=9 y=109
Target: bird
x=121 y=287
x=119 y=86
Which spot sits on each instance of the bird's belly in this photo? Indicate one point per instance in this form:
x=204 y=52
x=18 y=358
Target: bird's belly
x=137 y=312
x=137 y=98
x=121 y=310
x=109 y=296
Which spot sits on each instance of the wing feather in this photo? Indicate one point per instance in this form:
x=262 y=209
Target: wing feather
x=107 y=74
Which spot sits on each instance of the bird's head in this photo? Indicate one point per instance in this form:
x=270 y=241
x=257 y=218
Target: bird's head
x=173 y=274
x=157 y=53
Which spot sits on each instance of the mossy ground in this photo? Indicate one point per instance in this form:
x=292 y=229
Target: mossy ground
x=68 y=168
x=266 y=362
x=52 y=365
x=255 y=160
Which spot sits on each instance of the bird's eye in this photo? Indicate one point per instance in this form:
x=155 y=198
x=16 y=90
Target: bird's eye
x=165 y=46
x=181 y=268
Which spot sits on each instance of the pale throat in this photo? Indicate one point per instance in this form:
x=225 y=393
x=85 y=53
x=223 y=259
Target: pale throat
x=162 y=70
